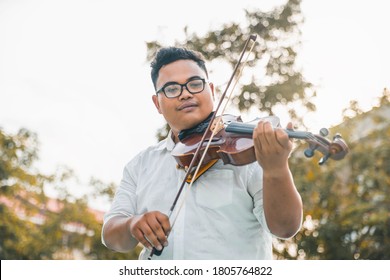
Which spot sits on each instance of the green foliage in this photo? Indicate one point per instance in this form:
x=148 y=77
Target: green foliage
x=347 y=203
x=29 y=227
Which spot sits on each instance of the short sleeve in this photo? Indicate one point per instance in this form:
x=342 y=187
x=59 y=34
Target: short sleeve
x=125 y=202
x=255 y=189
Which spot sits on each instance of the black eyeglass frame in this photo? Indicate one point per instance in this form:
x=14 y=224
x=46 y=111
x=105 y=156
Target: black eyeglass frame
x=162 y=89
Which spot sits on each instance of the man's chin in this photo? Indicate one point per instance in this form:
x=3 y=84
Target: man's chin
x=192 y=121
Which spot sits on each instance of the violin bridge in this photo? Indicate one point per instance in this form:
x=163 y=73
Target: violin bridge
x=217 y=125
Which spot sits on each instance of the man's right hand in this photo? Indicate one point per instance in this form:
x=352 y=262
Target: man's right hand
x=151 y=229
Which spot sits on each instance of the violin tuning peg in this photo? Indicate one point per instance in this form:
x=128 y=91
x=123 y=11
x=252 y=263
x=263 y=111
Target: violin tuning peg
x=323 y=159
x=309 y=153
x=324 y=132
x=337 y=136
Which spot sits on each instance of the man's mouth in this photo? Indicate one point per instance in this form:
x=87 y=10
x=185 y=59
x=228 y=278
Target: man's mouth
x=187 y=105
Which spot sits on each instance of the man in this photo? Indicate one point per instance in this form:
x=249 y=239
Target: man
x=231 y=212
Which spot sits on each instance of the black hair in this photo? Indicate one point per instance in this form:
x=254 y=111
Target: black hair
x=171 y=54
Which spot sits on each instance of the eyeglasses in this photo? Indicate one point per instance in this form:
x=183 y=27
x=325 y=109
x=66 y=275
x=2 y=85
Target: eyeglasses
x=172 y=89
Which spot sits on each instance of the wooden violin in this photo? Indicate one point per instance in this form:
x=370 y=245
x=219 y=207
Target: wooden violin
x=233 y=143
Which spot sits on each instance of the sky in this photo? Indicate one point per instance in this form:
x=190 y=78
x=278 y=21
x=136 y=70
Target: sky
x=75 y=71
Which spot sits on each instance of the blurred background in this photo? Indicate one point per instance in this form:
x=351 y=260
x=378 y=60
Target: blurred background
x=75 y=95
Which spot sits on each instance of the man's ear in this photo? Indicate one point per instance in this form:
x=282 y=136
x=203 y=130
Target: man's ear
x=156 y=103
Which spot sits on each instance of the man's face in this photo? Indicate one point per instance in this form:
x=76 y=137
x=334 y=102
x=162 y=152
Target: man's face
x=186 y=110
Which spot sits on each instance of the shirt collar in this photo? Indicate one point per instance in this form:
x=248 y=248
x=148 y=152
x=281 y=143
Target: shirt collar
x=167 y=143
x=170 y=143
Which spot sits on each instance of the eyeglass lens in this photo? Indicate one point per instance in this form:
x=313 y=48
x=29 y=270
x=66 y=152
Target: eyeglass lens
x=193 y=86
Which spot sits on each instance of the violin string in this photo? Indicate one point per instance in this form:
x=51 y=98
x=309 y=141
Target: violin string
x=303 y=135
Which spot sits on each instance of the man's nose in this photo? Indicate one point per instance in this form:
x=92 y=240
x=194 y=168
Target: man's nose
x=185 y=94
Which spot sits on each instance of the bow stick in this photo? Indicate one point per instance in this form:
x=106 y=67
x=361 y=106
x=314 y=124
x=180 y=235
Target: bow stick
x=198 y=150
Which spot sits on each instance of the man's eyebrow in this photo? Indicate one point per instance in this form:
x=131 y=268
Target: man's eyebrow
x=194 y=77
x=189 y=79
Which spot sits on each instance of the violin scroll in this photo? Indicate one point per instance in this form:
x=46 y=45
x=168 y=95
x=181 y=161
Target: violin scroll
x=336 y=149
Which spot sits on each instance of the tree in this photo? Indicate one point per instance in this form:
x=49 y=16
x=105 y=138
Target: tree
x=347 y=203
x=16 y=155
x=29 y=228
x=279 y=82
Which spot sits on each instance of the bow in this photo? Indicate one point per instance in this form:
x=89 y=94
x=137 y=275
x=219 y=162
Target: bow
x=191 y=175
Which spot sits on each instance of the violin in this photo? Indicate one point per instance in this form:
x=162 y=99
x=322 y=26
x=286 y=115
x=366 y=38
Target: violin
x=233 y=143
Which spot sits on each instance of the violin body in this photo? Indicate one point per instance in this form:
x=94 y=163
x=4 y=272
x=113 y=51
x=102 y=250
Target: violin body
x=230 y=147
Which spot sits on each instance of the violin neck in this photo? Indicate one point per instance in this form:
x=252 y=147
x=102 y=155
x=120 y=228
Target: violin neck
x=246 y=128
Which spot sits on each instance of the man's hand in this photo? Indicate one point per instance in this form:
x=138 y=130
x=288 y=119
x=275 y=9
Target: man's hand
x=272 y=145
x=151 y=229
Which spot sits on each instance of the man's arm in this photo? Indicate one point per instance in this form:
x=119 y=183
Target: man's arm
x=281 y=200
x=117 y=236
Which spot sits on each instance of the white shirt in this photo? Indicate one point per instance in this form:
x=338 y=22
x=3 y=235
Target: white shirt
x=222 y=216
